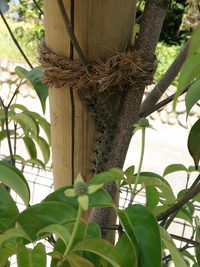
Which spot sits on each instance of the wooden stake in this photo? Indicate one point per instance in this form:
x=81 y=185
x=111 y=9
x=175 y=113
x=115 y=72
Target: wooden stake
x=101 y=27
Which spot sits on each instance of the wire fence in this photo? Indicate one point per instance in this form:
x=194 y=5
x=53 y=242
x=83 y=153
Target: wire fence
x=41 y=185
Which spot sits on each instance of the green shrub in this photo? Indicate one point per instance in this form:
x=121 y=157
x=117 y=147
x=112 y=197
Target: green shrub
x=165 y=56
x=28 y=34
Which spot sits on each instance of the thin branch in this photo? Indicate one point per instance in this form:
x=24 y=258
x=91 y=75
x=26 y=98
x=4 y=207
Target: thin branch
x=164 y=102
x=72 y=36
x=41 y=11
x=8 y=136
x=139 y=19
x=15 y=41
x=193 y=191
x=166 y=80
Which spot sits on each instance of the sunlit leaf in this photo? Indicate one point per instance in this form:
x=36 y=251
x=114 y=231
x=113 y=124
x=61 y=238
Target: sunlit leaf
x=44 y=147
x=106 y=177
x=152 y=197
x=192 y=96
x=194 y=42
x=34 y=77
x=36 y=162
x=18 y=106
x=194 y=143
x=176 y=255
x=29 y=120
x=167 y=192
x=14 y=179
x=189 y=72
x=174 y=168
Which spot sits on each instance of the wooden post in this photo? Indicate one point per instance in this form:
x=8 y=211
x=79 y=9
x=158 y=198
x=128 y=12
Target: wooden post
x=101 y=27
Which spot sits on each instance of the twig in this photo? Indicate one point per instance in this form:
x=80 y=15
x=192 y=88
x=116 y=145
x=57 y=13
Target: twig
x=186 y=240
x=15 y=41
x=8 y=136
x=193 y=191
x=72 y=36
x=41 y=11
x=164 y=102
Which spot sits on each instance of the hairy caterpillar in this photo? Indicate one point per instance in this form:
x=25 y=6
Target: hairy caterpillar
x=105 y=117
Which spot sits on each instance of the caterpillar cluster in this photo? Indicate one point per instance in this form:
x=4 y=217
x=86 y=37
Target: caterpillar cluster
x=105 y=118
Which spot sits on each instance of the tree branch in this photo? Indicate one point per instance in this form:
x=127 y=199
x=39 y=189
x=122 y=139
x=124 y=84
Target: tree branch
x=150 y=28
x=38 y=7
x=193 y=191
x=164 y=102
x=165 y=81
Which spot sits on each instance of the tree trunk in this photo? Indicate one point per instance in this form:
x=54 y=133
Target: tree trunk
x=101 y=27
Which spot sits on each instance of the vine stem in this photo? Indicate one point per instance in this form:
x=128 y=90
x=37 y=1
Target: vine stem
x=72 y=36
x=140 y=165
x=74 y=231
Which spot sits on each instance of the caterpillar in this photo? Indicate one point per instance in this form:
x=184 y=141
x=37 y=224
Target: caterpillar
x=105 y=117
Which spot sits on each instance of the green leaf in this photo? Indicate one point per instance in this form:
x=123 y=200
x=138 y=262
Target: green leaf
x=185 y=253
x=34 y=77
x=102 y=248
x=194 y=42
x=58 y=230
x=193 y=169
x=30 y=147
x=5 y=253
x=8 y=208
x=12 y=233
x=36 y=217
x=130 y=172
x=189 y=72
x=192 y=96
x=31 y=258
x=174 y=168
x=84 y=231
x=194 y=143
x=152 y=197
x=44 y=147
x=18 y=106
x=36 y=162
x=2 y=114
x=176 y=255
x=166 y=190
x=3 y=134
x=98 y=199
x=106 y=177
x=29 y=120
x=14 y=179
x=77 y=261
x=185 y=215
x=142 y=229
x=47 y=128
x=126 y=250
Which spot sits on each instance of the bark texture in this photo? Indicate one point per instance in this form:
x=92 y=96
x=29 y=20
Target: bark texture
x=150 y=28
